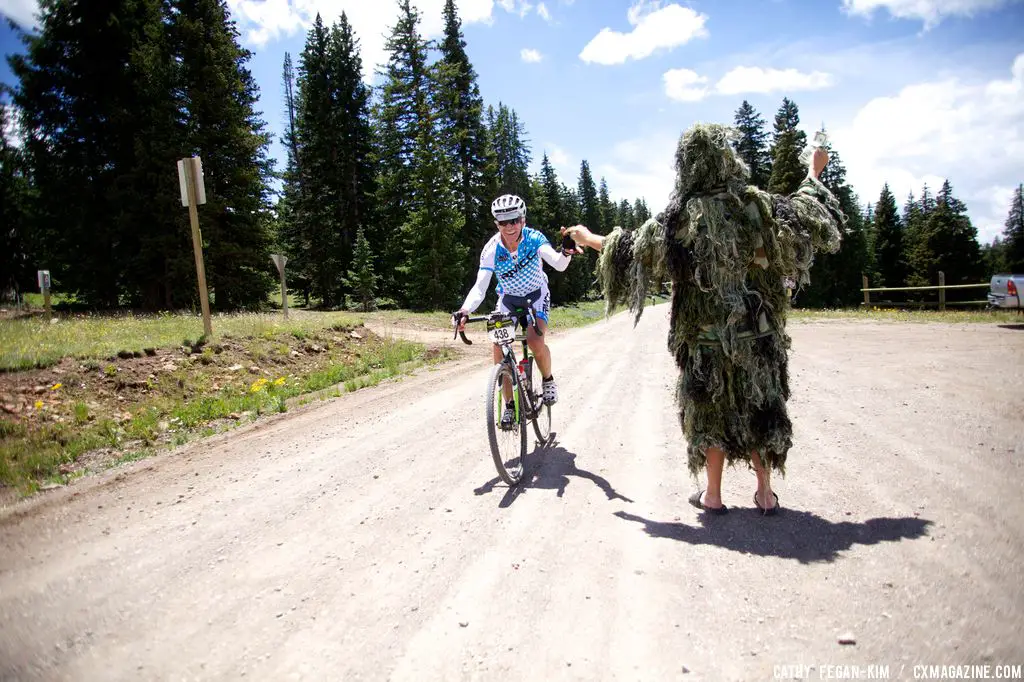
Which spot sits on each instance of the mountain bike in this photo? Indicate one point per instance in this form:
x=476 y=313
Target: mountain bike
x=512 y=380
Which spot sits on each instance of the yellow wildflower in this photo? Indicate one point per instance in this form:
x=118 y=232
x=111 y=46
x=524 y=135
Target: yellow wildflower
x=39 y=404
x=56 y=386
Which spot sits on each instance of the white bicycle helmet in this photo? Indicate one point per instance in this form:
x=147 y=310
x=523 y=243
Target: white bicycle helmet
x=507 y=207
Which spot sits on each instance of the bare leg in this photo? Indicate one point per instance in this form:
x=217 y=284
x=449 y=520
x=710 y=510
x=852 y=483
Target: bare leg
x=540 y=348
x=715 y=464
x=507 y=387
x=764 y=495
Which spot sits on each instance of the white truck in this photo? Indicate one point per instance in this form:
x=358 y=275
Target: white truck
x=1006 y=292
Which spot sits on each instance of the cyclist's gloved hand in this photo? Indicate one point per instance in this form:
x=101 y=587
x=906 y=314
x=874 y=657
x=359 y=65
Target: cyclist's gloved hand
x=459 y=319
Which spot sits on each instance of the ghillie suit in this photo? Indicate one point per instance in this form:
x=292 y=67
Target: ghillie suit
x=727 y=248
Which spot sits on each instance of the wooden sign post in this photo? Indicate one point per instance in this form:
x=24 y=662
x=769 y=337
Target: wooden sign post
x=193 y=193
x=280 y=261
x=44 y=286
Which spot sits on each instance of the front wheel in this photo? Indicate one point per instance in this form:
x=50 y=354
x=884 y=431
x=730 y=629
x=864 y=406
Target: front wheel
x=508 y=442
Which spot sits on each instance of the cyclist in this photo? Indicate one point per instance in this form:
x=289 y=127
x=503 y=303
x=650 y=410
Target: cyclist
x=515 y=255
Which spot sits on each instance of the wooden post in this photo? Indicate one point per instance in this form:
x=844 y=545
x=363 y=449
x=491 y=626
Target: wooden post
x=191 y=175
x=46 y=300
x=867 y=294
x=280 y=261
x=942 y=290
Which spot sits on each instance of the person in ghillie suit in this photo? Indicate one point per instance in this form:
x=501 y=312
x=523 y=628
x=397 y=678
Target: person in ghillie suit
x=728 y=248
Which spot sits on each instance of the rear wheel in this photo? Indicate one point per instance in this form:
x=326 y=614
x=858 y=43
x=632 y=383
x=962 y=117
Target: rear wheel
x=508 y=444
x=542 y=421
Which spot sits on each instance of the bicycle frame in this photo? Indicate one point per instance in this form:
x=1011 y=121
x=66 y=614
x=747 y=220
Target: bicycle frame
x=524 y=319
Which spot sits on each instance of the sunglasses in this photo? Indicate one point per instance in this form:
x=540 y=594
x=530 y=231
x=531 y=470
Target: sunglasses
x=506 y=223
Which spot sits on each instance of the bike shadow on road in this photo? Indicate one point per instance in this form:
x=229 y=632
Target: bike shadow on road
x=550 y=468
x=793 y=534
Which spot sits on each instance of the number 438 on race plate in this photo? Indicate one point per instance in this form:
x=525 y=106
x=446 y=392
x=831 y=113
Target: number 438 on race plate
x=501 y=334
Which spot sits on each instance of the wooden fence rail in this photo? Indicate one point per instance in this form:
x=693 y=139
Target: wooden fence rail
x=942 y=287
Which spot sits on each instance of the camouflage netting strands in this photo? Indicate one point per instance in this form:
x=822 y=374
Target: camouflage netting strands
x=727 y=248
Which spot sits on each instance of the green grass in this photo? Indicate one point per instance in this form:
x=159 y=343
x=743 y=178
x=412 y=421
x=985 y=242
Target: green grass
x=34 y=453
x=28 y=343
x=918 y=316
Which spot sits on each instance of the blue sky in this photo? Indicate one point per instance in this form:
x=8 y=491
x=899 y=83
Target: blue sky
x=911 y=91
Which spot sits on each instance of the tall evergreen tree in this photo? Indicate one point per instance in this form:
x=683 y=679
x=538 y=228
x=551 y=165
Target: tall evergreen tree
x=590 y=214
x=432 y=270
x=465 y=137
x=398 y=118
x=626 y=218
x=606 y=209
x=1013 y=234
x=753 y=145
x=888 y=241
x=512 y=150
x=289 y=235
x=97 y=102
x=361 y=280
x=641 y=214
x=789 y=141
x=225 y=129
x=15 y=227
x=947 y=243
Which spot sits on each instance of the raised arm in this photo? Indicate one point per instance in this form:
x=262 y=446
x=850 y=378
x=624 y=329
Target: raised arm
x=630 y=263
x=559 y=261
x=808 y=221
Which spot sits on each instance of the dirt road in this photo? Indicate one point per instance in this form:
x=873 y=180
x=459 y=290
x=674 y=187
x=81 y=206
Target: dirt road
x=369 y=537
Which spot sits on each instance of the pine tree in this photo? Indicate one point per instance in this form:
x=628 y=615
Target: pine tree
x=753 y=145
x=432 y=268
x=15 y=226
x=226 y=131
x=465 y=137
x=641 y=214
x=888 y=241
x=626 y=218
x=551 y=218
x=948 y=243
x=512 y=150
x=787 y=171
x=591 y=216
x=97 y=98
x=606 y=209
x=288 y=209
x=361 y=279
x=1013 y=234
x=398 y=121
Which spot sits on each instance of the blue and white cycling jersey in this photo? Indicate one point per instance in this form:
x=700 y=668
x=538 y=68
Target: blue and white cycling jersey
x=519 y=272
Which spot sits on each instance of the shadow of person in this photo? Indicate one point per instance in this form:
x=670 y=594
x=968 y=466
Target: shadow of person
x=793 y=534
x=551 y=468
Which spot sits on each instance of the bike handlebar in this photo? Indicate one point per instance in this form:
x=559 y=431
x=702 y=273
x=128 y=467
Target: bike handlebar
x=483 y=318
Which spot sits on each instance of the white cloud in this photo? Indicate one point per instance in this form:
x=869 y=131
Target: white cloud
x=643 y=168
x=655 y=28
x=263 y=21
x=931 y=12
x=530 y=56
x=542 y=10
x=680 y=85
x=969 y=132
x=21 y=12
x=685 y=85
x=754 y=79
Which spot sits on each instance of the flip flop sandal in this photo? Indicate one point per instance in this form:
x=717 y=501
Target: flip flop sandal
x=695 y=501
x=768 y=512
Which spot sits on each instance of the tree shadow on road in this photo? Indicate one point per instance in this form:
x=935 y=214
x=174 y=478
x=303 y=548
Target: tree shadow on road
x=793 y=534
x=550 y=468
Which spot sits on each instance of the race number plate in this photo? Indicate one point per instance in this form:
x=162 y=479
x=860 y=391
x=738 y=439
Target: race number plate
x=501 y=332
